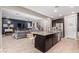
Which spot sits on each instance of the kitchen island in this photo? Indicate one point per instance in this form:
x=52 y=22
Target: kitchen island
x=45 y=40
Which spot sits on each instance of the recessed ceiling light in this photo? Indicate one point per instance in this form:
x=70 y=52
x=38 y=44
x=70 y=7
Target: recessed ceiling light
x=60 y=14
x=55 y=10
x=71 y=6
x=25 y=18
x=73 y=12
x=17 y=14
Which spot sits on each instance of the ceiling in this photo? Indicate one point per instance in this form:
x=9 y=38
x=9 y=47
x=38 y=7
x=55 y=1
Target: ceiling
x=54 y=11
x=13 y=14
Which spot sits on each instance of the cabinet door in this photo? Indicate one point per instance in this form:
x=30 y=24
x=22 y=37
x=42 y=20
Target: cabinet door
x=40 y=42
x=55 y=39
x=48 y=43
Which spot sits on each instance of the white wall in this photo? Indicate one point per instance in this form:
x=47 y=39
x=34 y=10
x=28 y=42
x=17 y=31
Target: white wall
x=0 y=23
x=1 y=29
x=46 y=24
x=70 y=26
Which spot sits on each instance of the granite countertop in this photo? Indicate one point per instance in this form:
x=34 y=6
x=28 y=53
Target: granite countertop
x=44 y=33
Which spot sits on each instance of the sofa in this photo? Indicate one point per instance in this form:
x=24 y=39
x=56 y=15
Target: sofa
x=20 y=34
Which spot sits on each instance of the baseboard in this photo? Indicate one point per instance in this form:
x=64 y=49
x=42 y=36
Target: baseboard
x=70 y=38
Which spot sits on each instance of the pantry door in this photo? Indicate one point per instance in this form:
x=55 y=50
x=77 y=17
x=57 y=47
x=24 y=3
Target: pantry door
x=71 y=26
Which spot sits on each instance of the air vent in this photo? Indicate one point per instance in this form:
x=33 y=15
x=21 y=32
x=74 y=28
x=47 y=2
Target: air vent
x=57 y=6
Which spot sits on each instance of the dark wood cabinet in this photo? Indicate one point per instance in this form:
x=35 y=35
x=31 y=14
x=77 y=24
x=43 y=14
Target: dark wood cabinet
x=55 y=39
x=78 y=22
x=40 y=42
x=44 y=43
x=48 y=42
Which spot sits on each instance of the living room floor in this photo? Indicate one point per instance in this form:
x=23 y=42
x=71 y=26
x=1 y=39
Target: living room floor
x=26 y=45
x=11 y=45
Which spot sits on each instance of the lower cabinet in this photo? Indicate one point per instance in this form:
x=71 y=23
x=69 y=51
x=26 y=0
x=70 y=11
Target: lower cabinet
x=48 y=42
x=40 y=43
x=44 y=43
x=55 y=39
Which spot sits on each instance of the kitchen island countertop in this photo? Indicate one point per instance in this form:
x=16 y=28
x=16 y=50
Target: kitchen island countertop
x=44 y=33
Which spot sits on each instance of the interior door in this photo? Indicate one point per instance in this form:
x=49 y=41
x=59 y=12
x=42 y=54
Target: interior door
x=71 y=26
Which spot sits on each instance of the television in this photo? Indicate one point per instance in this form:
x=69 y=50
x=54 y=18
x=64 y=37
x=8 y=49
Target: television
x=19 y=25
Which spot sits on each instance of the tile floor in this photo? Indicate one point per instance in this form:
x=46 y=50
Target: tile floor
x=26 y=45
x=11 y=45
x=66 y=46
